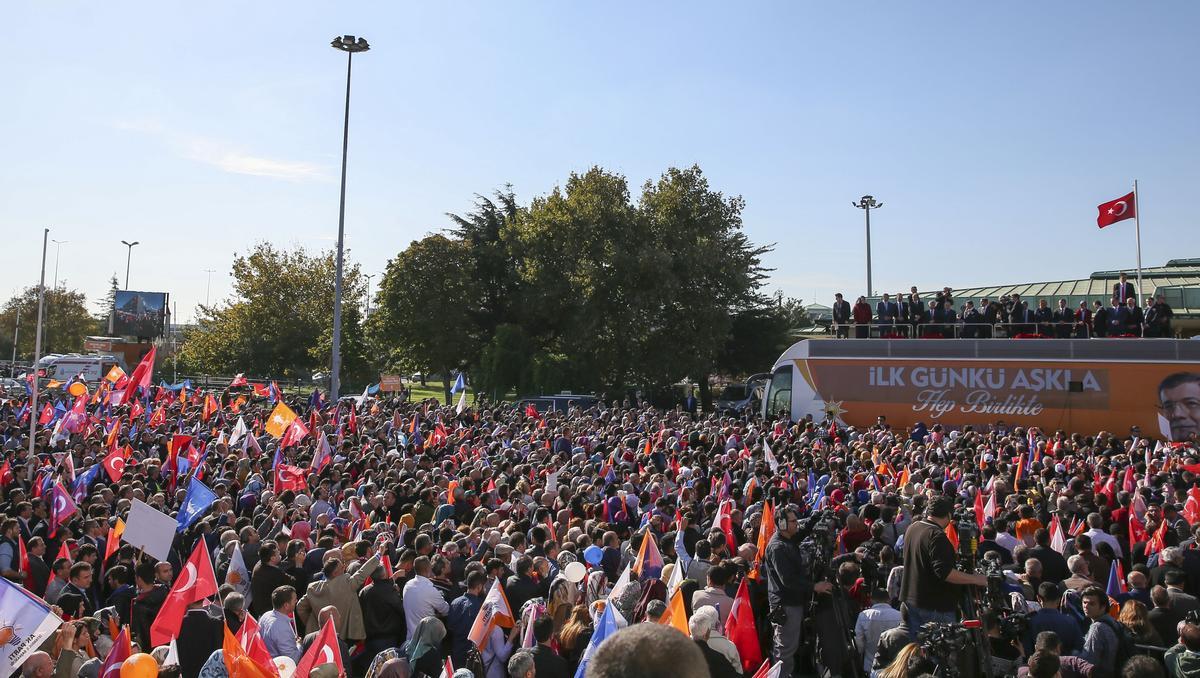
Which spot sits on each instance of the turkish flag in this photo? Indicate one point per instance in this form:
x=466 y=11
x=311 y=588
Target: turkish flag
x=121 y=650
x=238 y=380
x=254 y=647
x=289 y=477
x=296 y=431
x=740 y=628
x=1116 y=210
x=323 y=651
x=196 y=582
x=114 y=463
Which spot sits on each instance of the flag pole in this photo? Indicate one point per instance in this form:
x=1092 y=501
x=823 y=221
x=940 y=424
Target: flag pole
x=37 y=348
x=1137 y=230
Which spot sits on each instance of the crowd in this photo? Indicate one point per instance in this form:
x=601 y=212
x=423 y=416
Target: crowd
x=908 y=315
x=381 y=538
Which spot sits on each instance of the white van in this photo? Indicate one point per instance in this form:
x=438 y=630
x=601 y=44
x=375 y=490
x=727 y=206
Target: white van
x=92 y=367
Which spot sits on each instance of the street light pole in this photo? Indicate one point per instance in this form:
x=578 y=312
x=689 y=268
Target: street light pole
x=350 y=45
x=867 y=203
x=367 y=312
x=57 y=251
x=128 y=256
x=208 y=289
x=37 y=348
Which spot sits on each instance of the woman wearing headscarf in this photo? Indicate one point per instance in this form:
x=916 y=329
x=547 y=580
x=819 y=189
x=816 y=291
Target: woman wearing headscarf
x=498 y=649
x=563 y=596
x=597 y=587
x=424 y=648
x=653 y=589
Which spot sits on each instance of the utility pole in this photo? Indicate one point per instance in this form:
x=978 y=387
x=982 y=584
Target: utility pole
x=867 y=203
x=367 y=312
x=37 y=347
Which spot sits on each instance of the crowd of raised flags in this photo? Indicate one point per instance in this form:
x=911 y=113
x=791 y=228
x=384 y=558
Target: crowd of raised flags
x=640 y=473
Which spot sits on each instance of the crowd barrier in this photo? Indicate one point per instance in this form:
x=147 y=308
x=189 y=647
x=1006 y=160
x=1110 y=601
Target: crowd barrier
x=961 y=330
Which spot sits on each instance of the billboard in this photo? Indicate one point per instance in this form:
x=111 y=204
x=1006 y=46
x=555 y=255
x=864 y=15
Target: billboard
x=1162 y=398
x=139 y=314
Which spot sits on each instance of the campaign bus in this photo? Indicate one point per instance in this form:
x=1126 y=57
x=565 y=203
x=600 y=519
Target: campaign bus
x=1078 y=385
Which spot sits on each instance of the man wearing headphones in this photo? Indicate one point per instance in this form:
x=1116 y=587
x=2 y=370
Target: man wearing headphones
x=789 y=587
x=929 y=589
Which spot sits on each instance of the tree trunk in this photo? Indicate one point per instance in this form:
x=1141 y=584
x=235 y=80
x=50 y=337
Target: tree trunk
x=446 y=384
x=706 y=400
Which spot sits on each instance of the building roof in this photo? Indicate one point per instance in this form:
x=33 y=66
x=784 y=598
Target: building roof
x=1178 y=281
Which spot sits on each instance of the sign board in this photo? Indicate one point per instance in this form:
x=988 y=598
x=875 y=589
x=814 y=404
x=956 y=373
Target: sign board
x=150 y=530
x=1072 y=395
x=390 y=383
x=139 y=314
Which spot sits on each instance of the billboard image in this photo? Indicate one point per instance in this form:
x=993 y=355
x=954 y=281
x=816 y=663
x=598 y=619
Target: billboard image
x=1160 y=395
x=139 y=314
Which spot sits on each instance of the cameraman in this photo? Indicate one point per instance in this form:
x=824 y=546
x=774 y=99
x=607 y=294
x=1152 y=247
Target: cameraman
x=789 y=585
x=929 y=567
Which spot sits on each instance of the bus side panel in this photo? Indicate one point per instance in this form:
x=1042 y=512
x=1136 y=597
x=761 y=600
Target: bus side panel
x=1071 y=395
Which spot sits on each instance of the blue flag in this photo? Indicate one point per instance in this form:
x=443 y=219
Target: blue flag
x=198 y=501
x=459 y=384
x=606 y=627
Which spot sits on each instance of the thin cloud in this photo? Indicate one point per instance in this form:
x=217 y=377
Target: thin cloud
x=225 y=156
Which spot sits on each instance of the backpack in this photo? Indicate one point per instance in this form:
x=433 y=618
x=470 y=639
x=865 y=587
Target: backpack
x=1126 y=643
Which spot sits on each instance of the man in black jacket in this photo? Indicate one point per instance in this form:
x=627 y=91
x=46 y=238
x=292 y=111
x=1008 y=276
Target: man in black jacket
x=1101 y=320
x=267 y=577
x=547 y=664
x=521 y=588
x=383 y=615
x=149 y=600
x=841 y=316
x=1123 y=290
x=788 y=587
x=200 y=635
x=929 y=588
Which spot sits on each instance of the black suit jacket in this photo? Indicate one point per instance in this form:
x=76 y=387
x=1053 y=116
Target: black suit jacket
x=199 y=636
x=547 y=664
x=1122 y=295
x=841 y=311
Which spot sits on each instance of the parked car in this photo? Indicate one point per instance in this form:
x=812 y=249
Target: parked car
x=11 y=388
x=559 y=402
x=742 y=398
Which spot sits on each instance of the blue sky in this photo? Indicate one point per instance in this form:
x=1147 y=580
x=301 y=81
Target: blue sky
x=990 y=131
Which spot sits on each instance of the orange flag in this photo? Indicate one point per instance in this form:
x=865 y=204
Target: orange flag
x=952 y=535
x=676 y=614
x=766 y=530
x=237 y=663
x=495 y=612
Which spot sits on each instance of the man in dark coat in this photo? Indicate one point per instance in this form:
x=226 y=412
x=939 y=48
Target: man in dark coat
x=201 y=635
x=267 y=577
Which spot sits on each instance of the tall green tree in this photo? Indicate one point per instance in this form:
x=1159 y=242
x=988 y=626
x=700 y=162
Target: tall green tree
x=586 y=281
x=66 y=322
x=105 y=304
x=278 y=321
x=492 y=261
x=423 y=314
x=707 y=272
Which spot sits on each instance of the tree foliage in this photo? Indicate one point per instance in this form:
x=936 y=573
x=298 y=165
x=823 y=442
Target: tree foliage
x=278 y=321
x=425 y=308
x=583 y=288
x=66 y=322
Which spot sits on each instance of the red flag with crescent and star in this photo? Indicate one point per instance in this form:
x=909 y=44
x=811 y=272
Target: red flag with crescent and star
x=114 y=464
x=323 y=651
x=1113 y=211
x=288 y=477
x=62 y=507
x=197 y=581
